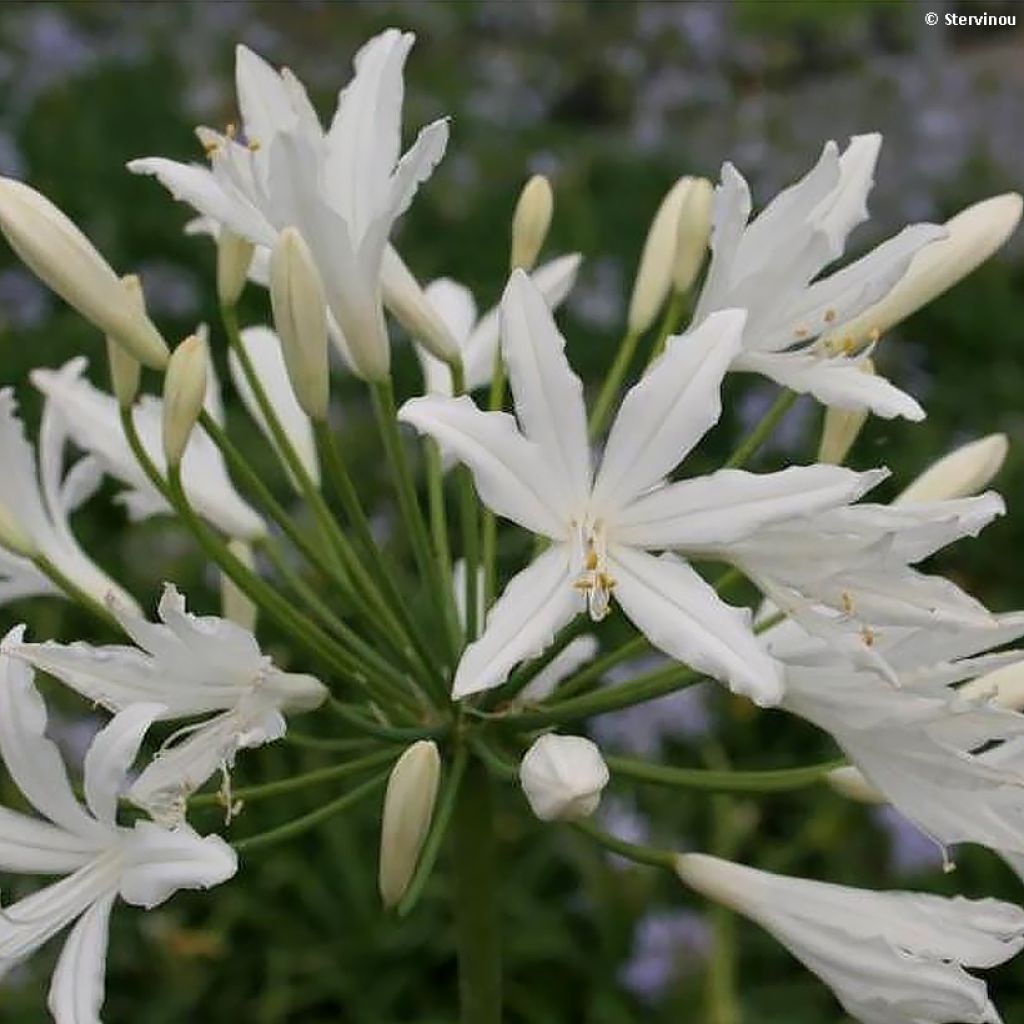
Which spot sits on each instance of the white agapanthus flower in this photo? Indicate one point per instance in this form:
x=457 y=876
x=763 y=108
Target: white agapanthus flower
x=603 y=524
x=342 y=190
x=889 y=957
x=37 y=501
x=563 y=777
x=101 y=861
x=263 y=347
x=96 y=428
x=477 y=337
x=771 y=266
x=192 y=666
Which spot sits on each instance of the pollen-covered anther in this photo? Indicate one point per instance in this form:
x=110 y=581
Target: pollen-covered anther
x=846 y=601
x=830 y=315
x=867 y=635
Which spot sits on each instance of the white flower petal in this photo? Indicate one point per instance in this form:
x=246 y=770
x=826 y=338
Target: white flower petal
x=77 y=989
x=576 y=654
x=668 y=411
x=537 y=603
x=513 y=475
x=682 y=615
x=30 y=846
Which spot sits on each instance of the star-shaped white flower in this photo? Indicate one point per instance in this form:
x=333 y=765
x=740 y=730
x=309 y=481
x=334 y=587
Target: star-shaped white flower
x=102 y=861
x=191 y=666
x=602 y=525
x=771 y=266
x=343 y=190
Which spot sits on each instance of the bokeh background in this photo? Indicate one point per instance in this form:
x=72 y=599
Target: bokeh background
x=613 y=101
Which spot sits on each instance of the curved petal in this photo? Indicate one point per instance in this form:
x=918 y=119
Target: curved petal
x=77 y=988
x=29 y=846
x=668 y=411
x=264 y=350
x=537 y=603
x=111 y=754
x=730 y=504
x=576 y=654
x=512 y=475
x=682 y=615
x=32 y=759
x=548 y=395
x=731 y=213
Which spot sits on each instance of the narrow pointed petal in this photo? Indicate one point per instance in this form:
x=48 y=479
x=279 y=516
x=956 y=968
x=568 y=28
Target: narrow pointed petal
x=262 y=97
x=668 y=411
x=683 y=616
x=78 y=986
x=730 y=504
x=523 y=622
x=30 y=846
x=548 y=395
x=513 y=475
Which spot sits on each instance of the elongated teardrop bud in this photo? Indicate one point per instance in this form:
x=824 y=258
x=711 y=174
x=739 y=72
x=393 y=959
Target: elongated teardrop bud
x=408 y=304
x=961 y=473
x=53 y=248
x=408 y=809
x=234 y=255
x=531 y=222
x=184 y=391
x=297 y=296
x=125 y=369
x=694 y=232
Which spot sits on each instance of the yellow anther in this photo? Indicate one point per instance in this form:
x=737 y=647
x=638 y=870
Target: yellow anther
x=230 y=131
x=801 y=332
x=252 y=145
x=830 y=315
x=847 y=602
x=868 y=636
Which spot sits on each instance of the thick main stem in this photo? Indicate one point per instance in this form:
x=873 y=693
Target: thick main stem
x=476 y=905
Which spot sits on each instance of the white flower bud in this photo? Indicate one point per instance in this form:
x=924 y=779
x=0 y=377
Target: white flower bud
x=234 y=255
x=50 y=245
x=531 y=221
x=563 y=777
x=849 y=782
x=409 y=305
x=960 y=474
x=235 y=606
x=408 y=808
x=297 y=296
x=973 y=236
x=657 y=261
x=184 y=392
x=839 y=432
x=1003 y=686
x=125 y=369
x=694 y=232
x=13 y=538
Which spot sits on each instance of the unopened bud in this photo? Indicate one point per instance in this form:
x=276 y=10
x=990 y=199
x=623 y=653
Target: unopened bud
x=13 y=538
x=973 y=235
x=657 y=261
x=694 y=232
x=297 y=296
x=53 y=248
x=408 y=304
x=125 y=369
x=842 y=427
x=1003 y=686
x=234 y=255
x=849 y=782
x=563 y=777
x=184 y=392
x=234 y=605
x=531 y=222
x=408 y=809
x=960 y=474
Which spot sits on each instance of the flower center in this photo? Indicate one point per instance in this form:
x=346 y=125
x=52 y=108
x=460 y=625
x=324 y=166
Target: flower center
x=593 y=578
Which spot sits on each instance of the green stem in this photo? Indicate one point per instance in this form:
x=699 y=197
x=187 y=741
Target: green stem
x=468 y=517
x=647 y=855
x=605 y=403
x=439 y=532
x=299 y=825
x=593 y=672
x=475 y=897
x=74 y=592
x=777 y=780
x=670 y=323
x=752 y=442
x=392 y=733
x=294 y=782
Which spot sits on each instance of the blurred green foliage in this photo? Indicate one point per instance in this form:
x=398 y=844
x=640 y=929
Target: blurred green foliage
x=299 y=935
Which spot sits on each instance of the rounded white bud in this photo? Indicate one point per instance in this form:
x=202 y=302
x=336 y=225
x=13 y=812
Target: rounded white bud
x=409 y=305
x=657 y=261
x=531 y=222
x=234 y=255
x=563 y=777
x=235 y=606
x=300 y=315
x=184 y=392
x=694 y=232
x=408 y=809
x=973 y=235
x=53 y=248
x=960 y=474
x=849 y=782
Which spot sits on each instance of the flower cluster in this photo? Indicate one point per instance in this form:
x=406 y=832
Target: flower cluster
x=448 y=685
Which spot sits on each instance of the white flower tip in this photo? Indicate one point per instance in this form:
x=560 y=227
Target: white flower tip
x=849 y=782
x=961 y=473
x=563 y=777
x=408 y=810
x=409 y=305
x=13 y=537
x=296 y=692
x=234 y=257
x=184 y=393
x=693 y=232
x=531 y=222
